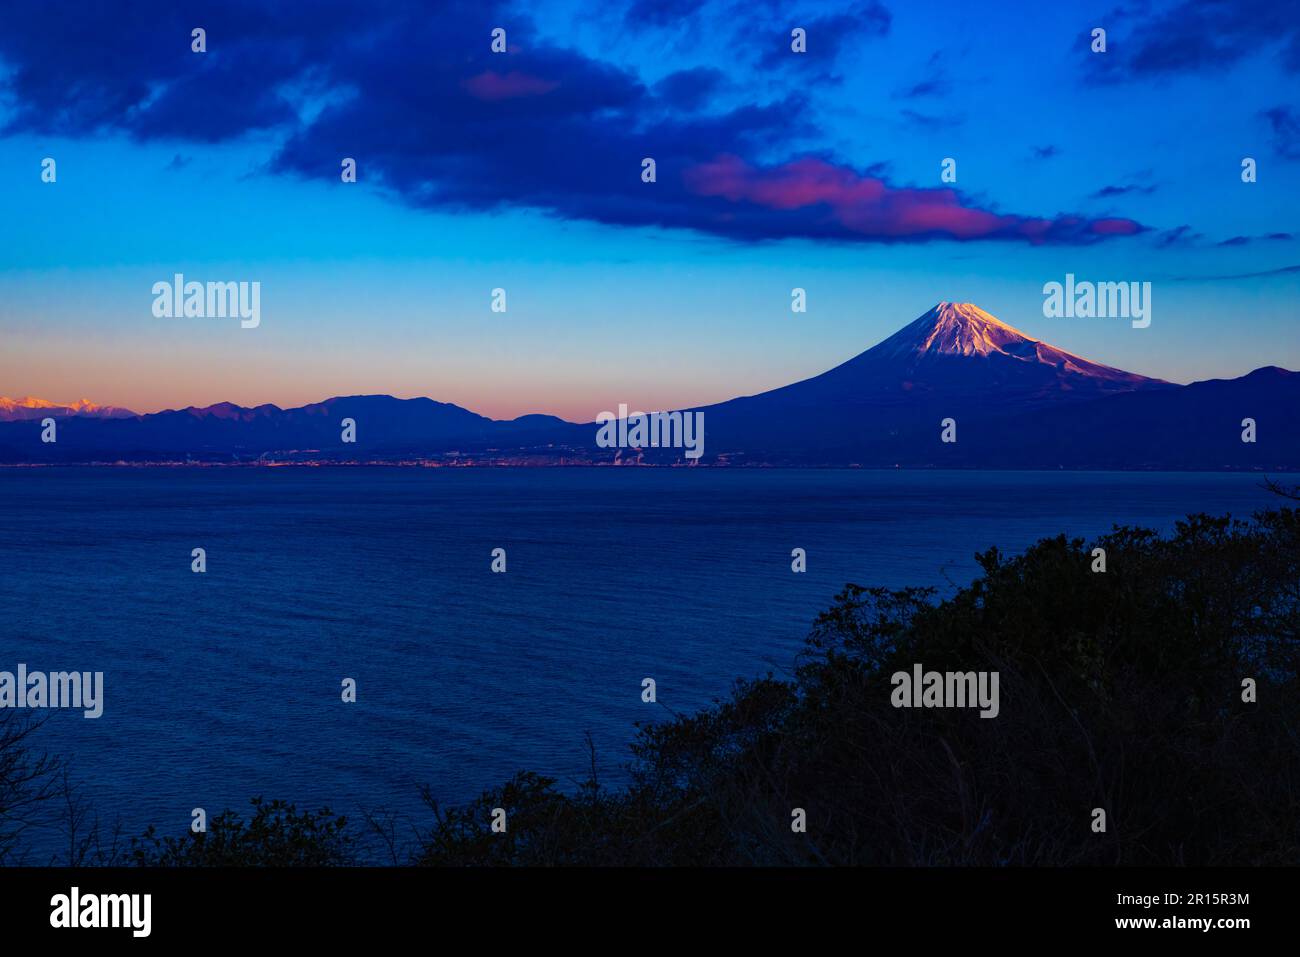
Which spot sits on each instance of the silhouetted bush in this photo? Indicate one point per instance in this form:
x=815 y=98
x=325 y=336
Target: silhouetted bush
x=30 y=783
x=277 y=836
x=1120 y=691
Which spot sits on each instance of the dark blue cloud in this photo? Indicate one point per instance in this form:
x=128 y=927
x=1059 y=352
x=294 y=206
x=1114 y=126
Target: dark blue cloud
x=935 y=82
x=662 y=13
x=757 y=33
x=689 y=90
x=929 y=121
x=1245 y=240
x=84 y=67
x=1229 y=277
x=933 y=86
x=825 y=38
x=1107 y=192
x=1177 y=236
x=1192 y=36
x=437 y=120
x=1285 y=123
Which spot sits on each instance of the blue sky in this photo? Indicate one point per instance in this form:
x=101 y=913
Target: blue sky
x=522 y=171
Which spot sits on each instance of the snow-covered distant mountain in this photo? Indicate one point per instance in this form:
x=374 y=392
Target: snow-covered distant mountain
x=20 y=410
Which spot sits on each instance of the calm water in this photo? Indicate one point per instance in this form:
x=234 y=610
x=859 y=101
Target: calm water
x=226 y=685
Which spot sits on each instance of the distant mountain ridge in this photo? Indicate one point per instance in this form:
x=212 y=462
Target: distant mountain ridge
x=1016 y=402
x=28 y=407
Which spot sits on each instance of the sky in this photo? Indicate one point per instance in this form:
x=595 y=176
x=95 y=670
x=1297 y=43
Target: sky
x=522 y=171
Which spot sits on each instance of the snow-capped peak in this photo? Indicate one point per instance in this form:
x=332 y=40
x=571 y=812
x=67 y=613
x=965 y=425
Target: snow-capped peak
x=951 y=331
x=959 y=329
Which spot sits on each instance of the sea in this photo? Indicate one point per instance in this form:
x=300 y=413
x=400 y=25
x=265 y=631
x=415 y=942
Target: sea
x=228 y=684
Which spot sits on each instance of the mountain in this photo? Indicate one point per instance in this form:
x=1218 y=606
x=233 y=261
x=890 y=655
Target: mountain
x=1016 y=401
x=386 y=427
x=383 y=422
x=959 y=349
x=954 y=360
x=15 y=410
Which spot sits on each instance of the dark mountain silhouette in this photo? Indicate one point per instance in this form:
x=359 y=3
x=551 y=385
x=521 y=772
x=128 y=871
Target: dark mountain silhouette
x=1017 y=402
x=385 y=427
x=383 y=422
x=1196 y=426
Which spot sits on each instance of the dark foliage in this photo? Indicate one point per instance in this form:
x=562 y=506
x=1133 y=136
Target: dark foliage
x=1119 y=690
x=277 y=836
x=29 y=784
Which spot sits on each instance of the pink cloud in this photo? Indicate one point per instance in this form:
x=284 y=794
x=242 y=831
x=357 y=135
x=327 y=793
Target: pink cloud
x=1115 y=227
x=869 y=207
x=507 y=86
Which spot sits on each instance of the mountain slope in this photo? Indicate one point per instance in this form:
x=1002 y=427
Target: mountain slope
x=1198 y=426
